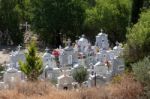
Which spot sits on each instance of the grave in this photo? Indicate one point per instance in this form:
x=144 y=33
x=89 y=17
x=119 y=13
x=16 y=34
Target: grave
x=48 y=73
x=12 y=76
x=82 y=44
x=68 y=57
x=102 y=41
x=101 y=62
x=65 y=81
x=17 y=56
x=48 y=59
x=118 y=50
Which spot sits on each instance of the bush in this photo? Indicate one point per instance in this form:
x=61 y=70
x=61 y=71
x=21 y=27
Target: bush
x=33 y=66
x=141 y=71
x=110 y=15
x=80 y=75
x=138 y=43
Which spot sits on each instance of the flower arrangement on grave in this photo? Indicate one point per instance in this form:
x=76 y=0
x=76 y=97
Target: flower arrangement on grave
x=56 y=55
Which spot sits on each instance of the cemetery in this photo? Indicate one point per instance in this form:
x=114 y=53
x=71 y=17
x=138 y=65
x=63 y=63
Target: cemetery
x=101 y=62
x=74 y=49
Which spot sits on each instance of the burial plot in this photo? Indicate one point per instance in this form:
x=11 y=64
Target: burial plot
x=102 y=41
x=12 y=76
x=82 y=44
x=48 y=59
x=68 y=56
x=65 y=81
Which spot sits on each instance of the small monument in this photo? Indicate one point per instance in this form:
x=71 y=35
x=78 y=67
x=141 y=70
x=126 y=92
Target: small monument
x=48 y=72
x=48 y=59
x=102 y=41
x=65 y=81
x=118 y=50
x=68 y=56
x=12 y=76
x=82 y=44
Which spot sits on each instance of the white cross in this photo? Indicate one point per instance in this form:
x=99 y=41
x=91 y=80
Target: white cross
x=46 y=49
x=19 y=47
x=27 y=26
x=69 y=42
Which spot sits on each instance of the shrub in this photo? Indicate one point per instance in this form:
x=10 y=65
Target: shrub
x=110 y=15
x=141 y=71
x=80 y=75
x=33 y=66
x=138 y=43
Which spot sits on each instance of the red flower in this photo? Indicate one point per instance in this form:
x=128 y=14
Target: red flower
x=55 y=53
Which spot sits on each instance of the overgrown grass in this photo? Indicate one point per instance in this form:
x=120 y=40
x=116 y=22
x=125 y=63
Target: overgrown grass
x=127 y=88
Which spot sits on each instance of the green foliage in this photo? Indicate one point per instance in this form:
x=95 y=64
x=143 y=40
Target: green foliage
x=9 y=21
x=111 y=15
x=33 y=66
x=51 y=17
x=138 y=43
x=23 y=7
x=141 y=70
x=80 y=75
x=137 y=7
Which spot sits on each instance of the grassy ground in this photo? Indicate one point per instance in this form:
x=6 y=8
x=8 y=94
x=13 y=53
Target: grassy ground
x=124 y=87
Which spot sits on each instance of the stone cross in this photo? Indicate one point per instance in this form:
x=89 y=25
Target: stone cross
x=117 y=43
x=46 y=49
x=26 y=25
x=19 y=47
x=69 y=42
x=83 y=36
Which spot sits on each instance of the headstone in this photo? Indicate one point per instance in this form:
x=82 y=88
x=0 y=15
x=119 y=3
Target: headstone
x=48 y=59
x=100 y=68
x=12 y=76
x=82 y=44
x=17 y=56
x=68 y=56
x=90 y=55
x=118 y=50
x=96 y=80
x=56 y=73
x=102 y=56
x=48 y=72
x=118 y=65
x=102 y=41
x=65 y=82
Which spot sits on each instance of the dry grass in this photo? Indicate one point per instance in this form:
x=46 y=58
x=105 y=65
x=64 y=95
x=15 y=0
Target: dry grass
x=127 y=88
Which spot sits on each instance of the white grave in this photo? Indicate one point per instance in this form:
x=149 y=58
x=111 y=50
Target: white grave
x=68 y=56
x=118 y=50
x=82 y=44
x=17 y=56
x=48 y=72
x=102 y=41
x=118 y=65
x=48 y=59
x=12 y=76
x=65 y=81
